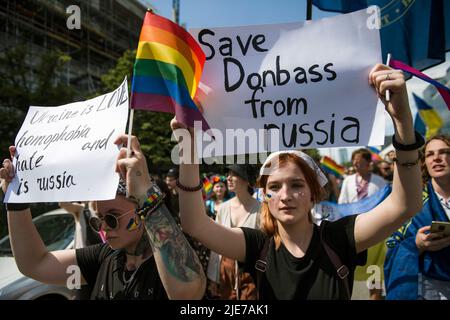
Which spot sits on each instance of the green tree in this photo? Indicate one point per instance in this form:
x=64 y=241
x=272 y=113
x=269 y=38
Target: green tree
x=24 y=84
x=152 y=128
x=27 y=80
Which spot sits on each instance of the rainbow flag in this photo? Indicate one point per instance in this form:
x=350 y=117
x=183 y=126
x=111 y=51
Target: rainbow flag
x=167 y=70
x=375 y=153
x=331 y=167
x=207 y=187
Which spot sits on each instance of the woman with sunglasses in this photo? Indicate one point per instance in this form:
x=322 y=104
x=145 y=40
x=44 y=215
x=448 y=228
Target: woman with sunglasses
x=291 y=257
x=146 y=256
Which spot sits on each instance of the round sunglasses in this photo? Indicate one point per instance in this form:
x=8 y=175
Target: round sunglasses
x=111 y=221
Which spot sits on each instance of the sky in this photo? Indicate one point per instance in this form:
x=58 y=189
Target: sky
x=227 y=13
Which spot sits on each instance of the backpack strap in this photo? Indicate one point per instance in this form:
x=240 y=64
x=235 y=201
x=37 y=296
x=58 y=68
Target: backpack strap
x=261 y=266
x=341 y=269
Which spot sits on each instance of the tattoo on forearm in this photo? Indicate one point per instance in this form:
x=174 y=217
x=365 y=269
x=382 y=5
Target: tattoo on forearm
x=138 y=173
x=178 y=256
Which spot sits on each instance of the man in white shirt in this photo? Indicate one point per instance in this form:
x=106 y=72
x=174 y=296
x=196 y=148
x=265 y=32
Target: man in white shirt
x=363 y=183
x=355 y=187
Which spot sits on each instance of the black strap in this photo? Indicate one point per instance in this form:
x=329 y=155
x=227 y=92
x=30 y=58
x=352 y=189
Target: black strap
x=261 y=266
x=341 y=269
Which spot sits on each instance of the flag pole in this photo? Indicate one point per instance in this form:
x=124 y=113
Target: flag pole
x=130 y=129
x=388 y=93
x=309 y=10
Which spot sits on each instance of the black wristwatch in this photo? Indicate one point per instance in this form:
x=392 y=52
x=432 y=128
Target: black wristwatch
x=409 y=147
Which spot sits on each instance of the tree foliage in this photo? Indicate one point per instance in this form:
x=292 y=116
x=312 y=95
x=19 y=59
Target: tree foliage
x=25 y=83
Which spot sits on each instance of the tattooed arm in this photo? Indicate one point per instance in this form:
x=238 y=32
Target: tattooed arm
x=178 y=266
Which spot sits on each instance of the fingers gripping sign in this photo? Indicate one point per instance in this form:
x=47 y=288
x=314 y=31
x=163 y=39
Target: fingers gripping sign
x=133 y=169
x=383 y=78
x=7 y=170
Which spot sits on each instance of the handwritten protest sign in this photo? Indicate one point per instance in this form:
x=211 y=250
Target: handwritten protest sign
x=308 y=81
x=67 y=153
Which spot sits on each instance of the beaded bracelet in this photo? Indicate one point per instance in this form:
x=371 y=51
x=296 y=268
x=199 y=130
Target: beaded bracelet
x=407 y=164
x=155 y=197
x=189 y=189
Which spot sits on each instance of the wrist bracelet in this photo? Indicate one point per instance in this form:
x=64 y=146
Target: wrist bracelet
x=190 y=189
x=17 y=206
x=407 y=164
x=155 y=197
x=409 y=147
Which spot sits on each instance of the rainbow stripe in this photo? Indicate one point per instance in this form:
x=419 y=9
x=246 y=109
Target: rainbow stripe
x=375 y=153
x=331 y=167
x=207 y=187
x=167 y=71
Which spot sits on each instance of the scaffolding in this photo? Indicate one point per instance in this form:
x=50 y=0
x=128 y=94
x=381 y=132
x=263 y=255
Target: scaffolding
x=108 y=28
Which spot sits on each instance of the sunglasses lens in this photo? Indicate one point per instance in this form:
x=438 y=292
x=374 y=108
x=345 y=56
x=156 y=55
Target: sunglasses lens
x=111 y=221
x=95 y=223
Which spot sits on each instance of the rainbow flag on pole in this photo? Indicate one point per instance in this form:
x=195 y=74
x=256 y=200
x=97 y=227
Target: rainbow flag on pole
x=169 y=64
x=331 y=167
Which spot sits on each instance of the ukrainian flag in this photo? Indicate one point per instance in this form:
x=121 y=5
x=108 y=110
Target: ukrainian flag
x=429 y=116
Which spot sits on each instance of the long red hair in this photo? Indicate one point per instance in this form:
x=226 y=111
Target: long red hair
x=268 y=222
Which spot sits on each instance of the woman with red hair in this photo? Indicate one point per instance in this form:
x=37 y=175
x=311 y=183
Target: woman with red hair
x=291 y=257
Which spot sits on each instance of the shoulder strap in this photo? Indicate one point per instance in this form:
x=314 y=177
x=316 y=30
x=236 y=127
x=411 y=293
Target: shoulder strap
x=261 y=266
x=341 y=269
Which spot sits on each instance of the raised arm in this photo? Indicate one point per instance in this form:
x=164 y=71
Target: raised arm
x=405 y=199
x=229 y=242
x=179 y=268
x=31 y=255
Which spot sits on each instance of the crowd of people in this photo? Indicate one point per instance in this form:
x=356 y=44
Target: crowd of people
x=253 y=236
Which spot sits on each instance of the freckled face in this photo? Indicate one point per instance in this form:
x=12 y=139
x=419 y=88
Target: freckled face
x=288 y=194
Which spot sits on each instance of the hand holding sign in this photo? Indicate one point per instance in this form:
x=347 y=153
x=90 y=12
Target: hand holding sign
x=133 y=169
x=66 y=153
x=385 y=79
x=7 y=172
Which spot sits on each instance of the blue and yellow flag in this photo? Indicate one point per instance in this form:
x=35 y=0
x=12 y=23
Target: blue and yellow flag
x=416 y=32
x=429 y=116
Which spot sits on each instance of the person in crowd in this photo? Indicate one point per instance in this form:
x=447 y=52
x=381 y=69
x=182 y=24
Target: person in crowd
x=417 y=264
x=82 y=213
x=355 y=187
x=363 y=183
x=145 y=255
x=240 y=211
x=290 y=257
x=219 y=195
x=385 y=169
x=171 y=178
x=85 y=236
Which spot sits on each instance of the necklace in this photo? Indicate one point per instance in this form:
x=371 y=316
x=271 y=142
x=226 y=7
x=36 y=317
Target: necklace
x=132 y=275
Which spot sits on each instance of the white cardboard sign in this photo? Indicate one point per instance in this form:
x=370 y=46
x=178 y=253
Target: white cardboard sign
x=67 y=153
x=308 y=81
